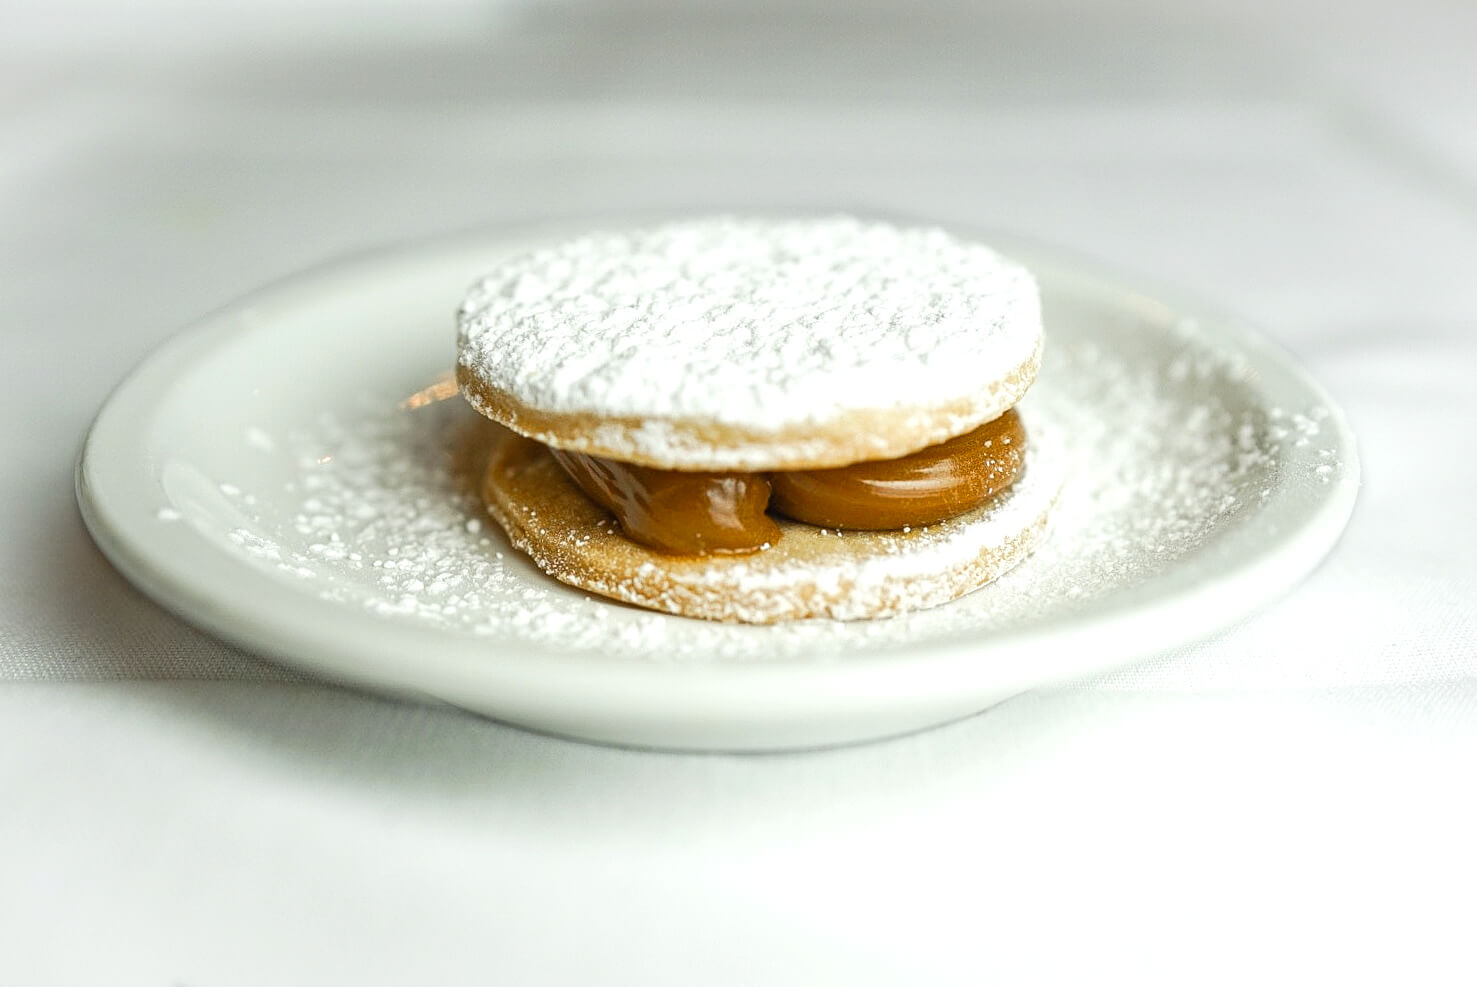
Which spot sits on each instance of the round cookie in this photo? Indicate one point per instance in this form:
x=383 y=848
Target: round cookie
x=809 y=572
x=745 y=344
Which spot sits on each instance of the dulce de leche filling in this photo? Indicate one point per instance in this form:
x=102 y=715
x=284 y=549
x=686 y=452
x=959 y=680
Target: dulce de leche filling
x=709 y=513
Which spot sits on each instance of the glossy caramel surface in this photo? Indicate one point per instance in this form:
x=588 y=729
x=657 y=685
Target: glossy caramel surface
x=680 y=513
x=933 y=484
x=706 y=513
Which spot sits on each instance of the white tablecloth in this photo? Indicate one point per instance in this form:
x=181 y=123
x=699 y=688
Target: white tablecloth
x=1290 y=801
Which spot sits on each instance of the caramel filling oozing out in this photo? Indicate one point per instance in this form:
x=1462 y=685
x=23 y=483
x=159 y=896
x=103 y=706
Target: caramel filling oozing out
x=680 y=513
x=932 y=484
x=707 y=513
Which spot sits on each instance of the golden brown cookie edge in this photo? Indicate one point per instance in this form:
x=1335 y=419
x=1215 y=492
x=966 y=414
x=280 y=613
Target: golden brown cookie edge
x=571 y=539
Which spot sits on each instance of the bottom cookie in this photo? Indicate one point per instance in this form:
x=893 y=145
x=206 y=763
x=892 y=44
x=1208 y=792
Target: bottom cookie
x=809 y=572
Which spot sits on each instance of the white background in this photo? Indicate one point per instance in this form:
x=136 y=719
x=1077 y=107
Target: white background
x=1289 y=802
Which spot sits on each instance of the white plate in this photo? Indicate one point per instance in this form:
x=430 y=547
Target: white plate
x=264 y=476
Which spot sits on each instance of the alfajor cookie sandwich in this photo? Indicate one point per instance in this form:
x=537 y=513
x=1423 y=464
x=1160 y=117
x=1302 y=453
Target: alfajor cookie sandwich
x=762 y=420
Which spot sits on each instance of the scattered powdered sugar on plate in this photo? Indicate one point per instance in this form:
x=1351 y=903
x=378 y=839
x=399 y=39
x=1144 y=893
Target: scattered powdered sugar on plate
x=1167 y=441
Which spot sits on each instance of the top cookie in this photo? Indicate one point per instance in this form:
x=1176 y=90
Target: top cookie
x=746 y=344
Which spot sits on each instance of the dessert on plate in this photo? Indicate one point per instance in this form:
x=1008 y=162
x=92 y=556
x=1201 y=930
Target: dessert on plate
x=762 y=420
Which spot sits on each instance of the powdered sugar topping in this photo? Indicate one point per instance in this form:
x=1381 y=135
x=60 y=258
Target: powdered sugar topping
x=753 y=323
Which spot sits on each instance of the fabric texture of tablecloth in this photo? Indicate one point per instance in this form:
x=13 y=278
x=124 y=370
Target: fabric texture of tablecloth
x=1292 y=790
